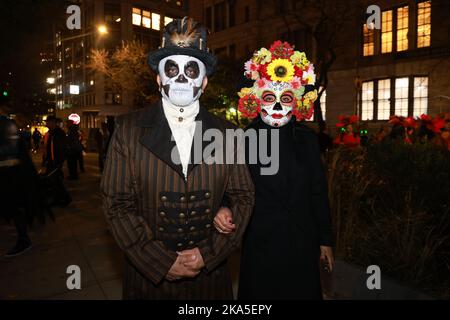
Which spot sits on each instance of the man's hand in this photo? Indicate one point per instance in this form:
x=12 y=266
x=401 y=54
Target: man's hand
x=223 y=221
x=326 y=255
x=192 y=259
x=179 y=269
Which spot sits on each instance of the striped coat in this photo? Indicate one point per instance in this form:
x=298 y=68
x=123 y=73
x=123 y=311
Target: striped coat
x=153 y=211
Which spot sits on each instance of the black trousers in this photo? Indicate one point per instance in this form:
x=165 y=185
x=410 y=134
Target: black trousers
x=59 y=192
x=72 y=165
x=81 y=161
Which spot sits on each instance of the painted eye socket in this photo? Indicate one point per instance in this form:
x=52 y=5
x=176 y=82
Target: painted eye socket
x=269 y=98
x=286 y=98
x=192 y=70
x=171 y=69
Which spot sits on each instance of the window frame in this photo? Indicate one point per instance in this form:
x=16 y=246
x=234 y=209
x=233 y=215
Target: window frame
x=396 y=30
x=417 y=24
x=411 y=95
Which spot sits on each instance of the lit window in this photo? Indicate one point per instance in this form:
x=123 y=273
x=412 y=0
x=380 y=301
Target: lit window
x=156 y=21
x=402 y=28
x=401 y=96
x=386 y=32
x=368 y=44
x=424 y=24
x=384 y=99
x=367 y=101
x=136 y=16
x=323 y=104
x=167 y=20
x=146 y=21
x=420 y=96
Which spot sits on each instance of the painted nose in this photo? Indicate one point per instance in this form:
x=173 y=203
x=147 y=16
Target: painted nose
x=181 y=79
x=277 y=107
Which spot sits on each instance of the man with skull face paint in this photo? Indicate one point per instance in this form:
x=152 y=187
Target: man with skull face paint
x=290 y=228
x=160 y=202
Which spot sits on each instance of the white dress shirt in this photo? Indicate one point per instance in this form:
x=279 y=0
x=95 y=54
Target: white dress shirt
x=182 y=124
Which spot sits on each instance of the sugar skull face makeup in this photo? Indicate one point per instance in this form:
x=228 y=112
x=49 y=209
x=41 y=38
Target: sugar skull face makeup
x=283 y=86
x=181 y=79
x=277 y=101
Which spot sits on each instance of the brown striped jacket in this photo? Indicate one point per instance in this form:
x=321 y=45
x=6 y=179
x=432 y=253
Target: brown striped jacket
x=153 y=211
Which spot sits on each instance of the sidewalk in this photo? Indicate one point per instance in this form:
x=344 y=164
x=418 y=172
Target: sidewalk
x=79 y=237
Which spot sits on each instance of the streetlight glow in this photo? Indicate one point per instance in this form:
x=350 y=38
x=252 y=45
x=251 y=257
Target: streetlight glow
x=102 y=29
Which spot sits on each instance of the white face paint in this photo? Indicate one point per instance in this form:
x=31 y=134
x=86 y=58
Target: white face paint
x=277 y=101
x=181 y=79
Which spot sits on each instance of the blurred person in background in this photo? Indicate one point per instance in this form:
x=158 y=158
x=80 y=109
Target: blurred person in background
x=55 y=155
x=101 y=138
x=74 y=149
x=80 y=159
x=36 y=140
x=20 y=194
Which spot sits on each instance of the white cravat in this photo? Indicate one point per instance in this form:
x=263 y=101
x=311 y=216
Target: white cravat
x=182 y=124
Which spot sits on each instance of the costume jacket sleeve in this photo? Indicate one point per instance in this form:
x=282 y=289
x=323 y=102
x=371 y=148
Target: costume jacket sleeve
x=130 y=230
x=239 y=197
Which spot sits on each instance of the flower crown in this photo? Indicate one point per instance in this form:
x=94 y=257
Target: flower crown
x=283 y=65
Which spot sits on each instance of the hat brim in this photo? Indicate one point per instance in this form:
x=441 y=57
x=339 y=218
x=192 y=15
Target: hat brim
x=207 y=58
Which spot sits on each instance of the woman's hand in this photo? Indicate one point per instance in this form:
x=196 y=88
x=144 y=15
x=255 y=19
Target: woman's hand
x=223 y=221
x=326 y=255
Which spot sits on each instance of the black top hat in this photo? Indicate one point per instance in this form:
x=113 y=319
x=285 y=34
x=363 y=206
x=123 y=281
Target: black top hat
x=184 y=37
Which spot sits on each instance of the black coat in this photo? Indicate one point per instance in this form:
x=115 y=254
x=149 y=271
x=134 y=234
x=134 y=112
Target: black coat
x=57 y=138
x=291 y=219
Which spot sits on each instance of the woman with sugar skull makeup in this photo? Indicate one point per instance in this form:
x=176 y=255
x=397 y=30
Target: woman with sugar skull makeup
x=159 y=198
x=290 y=229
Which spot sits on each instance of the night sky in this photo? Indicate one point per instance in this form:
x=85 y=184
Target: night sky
x=26 y=30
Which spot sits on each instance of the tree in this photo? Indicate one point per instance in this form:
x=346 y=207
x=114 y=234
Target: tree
x=128 y=70
x=221 y=94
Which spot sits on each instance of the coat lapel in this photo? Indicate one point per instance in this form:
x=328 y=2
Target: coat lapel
x=157 y=137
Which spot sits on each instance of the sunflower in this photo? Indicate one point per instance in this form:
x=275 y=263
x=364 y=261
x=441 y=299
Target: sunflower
x=281 y=70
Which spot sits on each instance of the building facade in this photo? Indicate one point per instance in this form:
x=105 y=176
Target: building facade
x=105 y=25
x=400 y=69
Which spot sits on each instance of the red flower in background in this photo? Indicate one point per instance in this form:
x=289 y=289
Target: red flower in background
x=249 y=106
x=345 y=120
x=410 y=122
x=438 y=123
x=281 y=50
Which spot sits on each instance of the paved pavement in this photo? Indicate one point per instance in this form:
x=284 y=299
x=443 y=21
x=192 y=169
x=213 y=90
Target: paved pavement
x=79 y=236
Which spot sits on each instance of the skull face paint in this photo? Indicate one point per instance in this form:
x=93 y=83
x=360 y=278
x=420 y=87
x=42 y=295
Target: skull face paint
x=181 y=79
x=277 y=101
